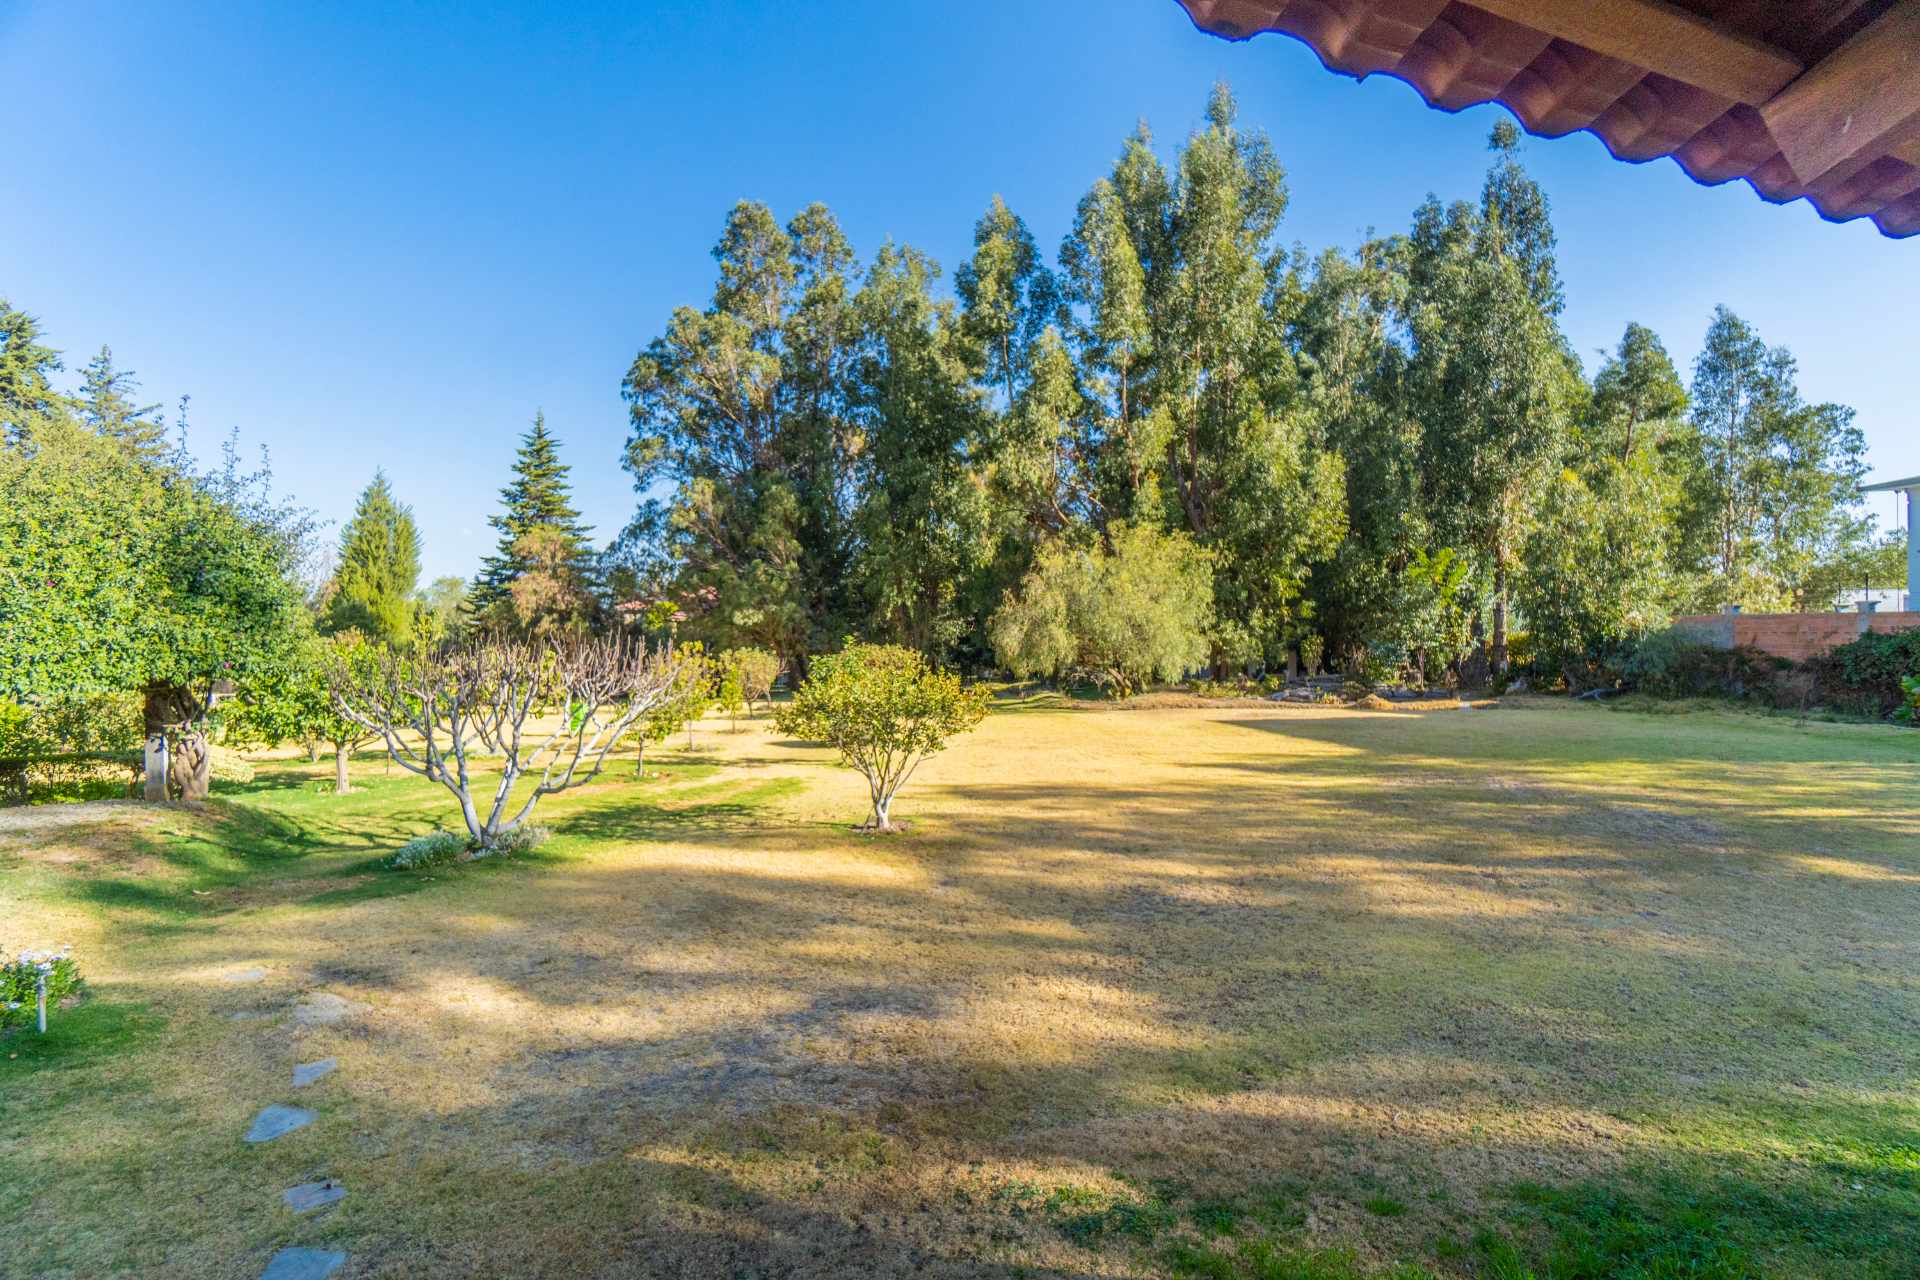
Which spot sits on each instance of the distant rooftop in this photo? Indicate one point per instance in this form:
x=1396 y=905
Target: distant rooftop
x=1911 y=482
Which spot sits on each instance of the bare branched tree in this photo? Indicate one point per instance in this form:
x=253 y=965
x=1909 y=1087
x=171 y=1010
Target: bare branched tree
x=550 y=712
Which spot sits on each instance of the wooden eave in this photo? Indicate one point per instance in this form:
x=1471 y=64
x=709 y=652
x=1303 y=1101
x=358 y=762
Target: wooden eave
x=1813 y=99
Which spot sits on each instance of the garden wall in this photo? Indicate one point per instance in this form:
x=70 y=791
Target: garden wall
x=1796 y=636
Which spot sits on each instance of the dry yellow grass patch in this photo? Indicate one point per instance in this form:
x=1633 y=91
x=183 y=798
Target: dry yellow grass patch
x=711 y=1031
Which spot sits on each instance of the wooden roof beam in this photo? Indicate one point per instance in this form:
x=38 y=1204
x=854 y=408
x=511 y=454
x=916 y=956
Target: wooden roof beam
x=1662 y=38
x=1866 y=90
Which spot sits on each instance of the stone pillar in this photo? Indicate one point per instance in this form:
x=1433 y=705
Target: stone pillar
x=156 y=788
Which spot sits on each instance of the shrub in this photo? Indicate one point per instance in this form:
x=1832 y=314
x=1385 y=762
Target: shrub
x=435 y=849
x=1312 y=647
x=885 y=711
x=521 y=840
x=1676 y=663
x=1865 y=676
x=1121 y=617
x=18 y=978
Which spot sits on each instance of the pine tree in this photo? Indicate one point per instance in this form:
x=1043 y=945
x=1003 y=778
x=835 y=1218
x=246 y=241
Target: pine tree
x=24 y=365
x=538 y=501
x=379 y=568
x=106 y=403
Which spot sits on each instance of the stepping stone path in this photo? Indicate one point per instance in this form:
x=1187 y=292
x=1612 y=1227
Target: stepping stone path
x=276 y=1121
x=309 y=1196
x=323 y=1009
x=304 y=1264
x=308 y=1072
x=315 y=1009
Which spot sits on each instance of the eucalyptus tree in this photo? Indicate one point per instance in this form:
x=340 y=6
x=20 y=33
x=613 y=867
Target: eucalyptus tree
x=1105 y=282
x=1777 y=475
x=742 y=410
x=1243 y=464
x=1342 y=317
x=1007 y=296
x=1638 y=400
x=1491 y=378
x=921 y=521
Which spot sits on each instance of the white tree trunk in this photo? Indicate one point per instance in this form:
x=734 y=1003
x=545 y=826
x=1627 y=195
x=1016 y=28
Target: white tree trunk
x=340 y=787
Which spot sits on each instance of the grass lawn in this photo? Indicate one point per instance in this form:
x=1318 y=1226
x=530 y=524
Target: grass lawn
x=1545 y=990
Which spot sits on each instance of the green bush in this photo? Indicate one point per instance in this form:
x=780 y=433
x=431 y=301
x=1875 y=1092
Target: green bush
x=1864 y=677
x=72 y=747
x=443 y=848
x=19 y=976
x=1676 y=663
x=435 y=849
x=520 y=840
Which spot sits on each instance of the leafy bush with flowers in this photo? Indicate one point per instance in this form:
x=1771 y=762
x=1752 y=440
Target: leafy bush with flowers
x=443 y=848
x=435 y=849
x=20 y=975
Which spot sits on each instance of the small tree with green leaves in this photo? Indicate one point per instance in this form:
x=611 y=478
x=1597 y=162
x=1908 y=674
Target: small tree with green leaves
x=295 y=703
x=758 y=669
x=885 y=711
x=730 y=693
x=685 y=700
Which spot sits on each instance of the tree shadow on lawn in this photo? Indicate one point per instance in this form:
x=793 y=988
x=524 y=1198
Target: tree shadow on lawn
x=1224 y=987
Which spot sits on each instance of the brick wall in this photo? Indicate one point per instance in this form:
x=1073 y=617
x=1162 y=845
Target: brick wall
x=1798 y=636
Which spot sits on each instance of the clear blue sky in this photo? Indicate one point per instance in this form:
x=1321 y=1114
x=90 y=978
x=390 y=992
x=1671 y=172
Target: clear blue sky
x=384 y=234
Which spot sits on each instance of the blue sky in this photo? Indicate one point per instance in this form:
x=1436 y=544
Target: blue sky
x=384 y=234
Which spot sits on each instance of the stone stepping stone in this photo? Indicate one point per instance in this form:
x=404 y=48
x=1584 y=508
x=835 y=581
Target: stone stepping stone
x=308 y=1072
x=323 y=1009
x=309 y=1196
x=276 y=1120
x=303 y=1264
x=244 y=975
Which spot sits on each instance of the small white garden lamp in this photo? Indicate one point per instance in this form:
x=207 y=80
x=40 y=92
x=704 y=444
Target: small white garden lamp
x=40 y=992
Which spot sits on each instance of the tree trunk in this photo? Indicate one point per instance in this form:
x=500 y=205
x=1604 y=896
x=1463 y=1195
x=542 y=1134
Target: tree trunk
x=881 y=820
x=313 y=751
x=1499 y=614
x=340 y=786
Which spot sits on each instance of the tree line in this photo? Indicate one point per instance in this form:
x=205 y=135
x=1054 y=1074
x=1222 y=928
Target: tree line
x=1178 y=443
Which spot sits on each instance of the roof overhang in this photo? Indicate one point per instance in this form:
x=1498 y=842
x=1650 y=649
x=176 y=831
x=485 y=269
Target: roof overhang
x=1814 y=99
x=1911 y=482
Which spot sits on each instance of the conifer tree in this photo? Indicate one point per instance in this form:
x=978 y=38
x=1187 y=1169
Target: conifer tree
x=107 y=405
x=25 y=363
x=538 y=501
x=379 y=568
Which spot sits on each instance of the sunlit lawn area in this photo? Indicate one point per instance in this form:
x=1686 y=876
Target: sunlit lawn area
x=1221 y=991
